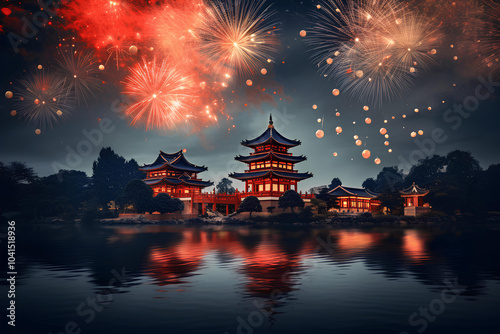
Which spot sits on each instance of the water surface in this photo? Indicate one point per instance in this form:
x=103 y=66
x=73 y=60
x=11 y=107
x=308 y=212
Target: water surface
x=242 y=279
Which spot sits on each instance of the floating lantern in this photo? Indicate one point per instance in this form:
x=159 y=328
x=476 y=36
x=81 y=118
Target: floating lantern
x=366 y=154
x=320 y=134
x=133 y=50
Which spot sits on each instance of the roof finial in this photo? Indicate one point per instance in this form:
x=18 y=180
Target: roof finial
x=271 y=121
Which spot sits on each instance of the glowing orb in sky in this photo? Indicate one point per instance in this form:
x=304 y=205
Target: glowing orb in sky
x=9 y=94
x=366 y=154
x=133 y=50
x=320 y=134
x=336 y=92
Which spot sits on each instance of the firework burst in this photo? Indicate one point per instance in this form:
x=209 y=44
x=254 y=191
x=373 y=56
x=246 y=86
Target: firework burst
x=80 y=71
x=110 y=27
x=238 y=36
x=374 y=49
x=43 y=99
x=162 y=95
x=488 y=43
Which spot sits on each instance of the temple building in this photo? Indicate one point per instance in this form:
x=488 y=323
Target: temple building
x=174 y=175
x=355 y=200
x=270 y=170
x=414 y=200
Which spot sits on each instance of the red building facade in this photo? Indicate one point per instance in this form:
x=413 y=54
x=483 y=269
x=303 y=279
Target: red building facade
x=355 y=200
x=270 y=167
x=414 y=200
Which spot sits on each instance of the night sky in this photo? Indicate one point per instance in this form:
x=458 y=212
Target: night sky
x=299 y=85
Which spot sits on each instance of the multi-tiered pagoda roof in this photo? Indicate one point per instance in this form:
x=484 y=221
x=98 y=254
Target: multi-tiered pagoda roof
x=174 y=169
x=270 y=165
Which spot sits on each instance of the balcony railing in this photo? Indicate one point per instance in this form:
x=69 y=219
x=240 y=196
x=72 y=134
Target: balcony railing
x=238 y=194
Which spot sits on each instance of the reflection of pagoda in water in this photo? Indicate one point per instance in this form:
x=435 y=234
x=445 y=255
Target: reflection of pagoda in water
x=267 y=265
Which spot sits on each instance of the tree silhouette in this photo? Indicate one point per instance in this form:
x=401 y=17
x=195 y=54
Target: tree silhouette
x=290 y=199
x=138 y=194
x=225 y=187
x=111 y=173
x=335 y=183
x=250 y=204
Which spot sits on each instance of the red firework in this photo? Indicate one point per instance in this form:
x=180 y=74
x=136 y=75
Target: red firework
x=162 y=95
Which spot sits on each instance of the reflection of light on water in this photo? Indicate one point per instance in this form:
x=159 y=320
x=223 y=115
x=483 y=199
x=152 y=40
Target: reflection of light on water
x=414 y=246
x=354 y=240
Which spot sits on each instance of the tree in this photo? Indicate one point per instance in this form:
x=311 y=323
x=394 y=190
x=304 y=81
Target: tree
x=329 y=200
x=389 y=177
x=462 y=167
x=178 y=205
x=138 y=194
x=163 y=203
x=111 y=173
x=320 y=206
x=290 y=199
x=335 y=183
x=250 y=204
x=225 y=187
x=370 y=184
x=392 y=200
x=426 y=171
x=20 y=189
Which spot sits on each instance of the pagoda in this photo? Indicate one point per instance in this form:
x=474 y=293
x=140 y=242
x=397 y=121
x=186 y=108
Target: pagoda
x=270 y=170
x=414 y=200
x=174 y=175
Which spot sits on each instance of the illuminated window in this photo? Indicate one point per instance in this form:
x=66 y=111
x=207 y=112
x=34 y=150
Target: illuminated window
x=268 y=187
x=344 y=204
x=261 y=187
x=282 y=187
x=275 y=187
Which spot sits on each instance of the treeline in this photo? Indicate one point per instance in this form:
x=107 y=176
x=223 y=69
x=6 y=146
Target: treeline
x=68 y=194
x=457 y=184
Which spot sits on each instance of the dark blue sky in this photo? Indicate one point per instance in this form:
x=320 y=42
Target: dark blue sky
x=477 y=131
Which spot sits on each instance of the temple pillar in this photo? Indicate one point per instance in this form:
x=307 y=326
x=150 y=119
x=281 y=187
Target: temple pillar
x=227 y=209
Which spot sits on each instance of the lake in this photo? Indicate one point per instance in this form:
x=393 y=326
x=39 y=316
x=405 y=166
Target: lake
x=255 y=279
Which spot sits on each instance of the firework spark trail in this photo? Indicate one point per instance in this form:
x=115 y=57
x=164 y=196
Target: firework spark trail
x=374 y=49
x=489 y=40
x=238 y=36
x=162 y=94
x=80 y=70
x=43 y=99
